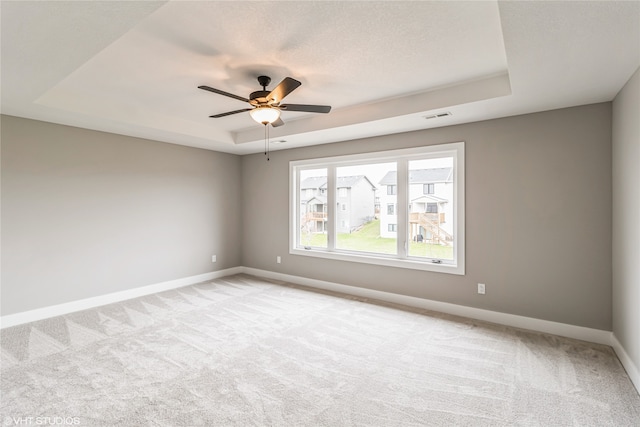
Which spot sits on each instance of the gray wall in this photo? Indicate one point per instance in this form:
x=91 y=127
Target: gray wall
x=87 y=213
x=626 y=218
x=538 y=217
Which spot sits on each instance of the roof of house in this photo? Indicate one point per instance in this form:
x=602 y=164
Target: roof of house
x=313 y=182
x=321 y=199
x=343 y=181
x=419 y=176
x=425 y=198
x=350 y=181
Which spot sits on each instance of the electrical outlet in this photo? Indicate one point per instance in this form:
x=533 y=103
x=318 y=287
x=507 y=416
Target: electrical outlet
x=278 y=259
x=481 y=288
x=214 y=258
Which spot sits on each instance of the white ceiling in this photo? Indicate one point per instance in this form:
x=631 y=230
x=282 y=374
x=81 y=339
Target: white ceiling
x=133 y=67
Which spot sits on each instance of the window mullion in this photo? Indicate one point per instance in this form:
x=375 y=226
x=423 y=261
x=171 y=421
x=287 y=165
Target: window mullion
x=331 y=208
x=402 y=198
x=295 y=206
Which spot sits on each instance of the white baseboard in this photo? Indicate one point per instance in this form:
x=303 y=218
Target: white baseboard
x=555 y=328
x=83 y=304
x=629 y=366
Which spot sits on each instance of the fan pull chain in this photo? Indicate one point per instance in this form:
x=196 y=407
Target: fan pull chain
x=267 y=148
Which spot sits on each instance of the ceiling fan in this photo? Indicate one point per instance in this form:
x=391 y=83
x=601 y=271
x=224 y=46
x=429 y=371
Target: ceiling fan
x=266 y=105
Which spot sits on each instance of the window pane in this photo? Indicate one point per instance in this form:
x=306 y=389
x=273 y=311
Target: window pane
x=360 y=226
x=313 y=208
x=431 y=208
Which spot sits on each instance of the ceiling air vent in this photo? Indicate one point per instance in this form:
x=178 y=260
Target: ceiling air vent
x=438 y=115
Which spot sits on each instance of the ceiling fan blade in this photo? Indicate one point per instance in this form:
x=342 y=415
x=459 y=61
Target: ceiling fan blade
x=228 y=113
x=221 y=92
x=285 y=87
x=306 y=108
x=277 y=123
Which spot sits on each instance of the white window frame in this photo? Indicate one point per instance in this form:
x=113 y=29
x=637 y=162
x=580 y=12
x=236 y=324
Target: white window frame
x=402 y=258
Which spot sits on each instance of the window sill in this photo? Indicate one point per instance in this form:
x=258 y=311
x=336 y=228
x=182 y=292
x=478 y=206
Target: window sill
x=380 y=260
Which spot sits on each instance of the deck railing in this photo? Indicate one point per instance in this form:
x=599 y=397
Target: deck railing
x=438 y=218
x=429 y=221
x=315 y=216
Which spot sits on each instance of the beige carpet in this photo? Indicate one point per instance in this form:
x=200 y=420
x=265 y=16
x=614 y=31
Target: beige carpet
x=242 y=351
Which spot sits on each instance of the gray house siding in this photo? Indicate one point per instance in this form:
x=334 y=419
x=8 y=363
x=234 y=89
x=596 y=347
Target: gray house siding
x=359 y=206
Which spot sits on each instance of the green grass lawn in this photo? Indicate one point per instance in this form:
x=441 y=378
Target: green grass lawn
x=368 y=239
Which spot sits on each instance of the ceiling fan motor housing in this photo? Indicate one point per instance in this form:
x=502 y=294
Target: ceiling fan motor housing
x=259 y=97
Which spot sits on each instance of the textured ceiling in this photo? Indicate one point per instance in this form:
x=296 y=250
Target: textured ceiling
x=134 y=67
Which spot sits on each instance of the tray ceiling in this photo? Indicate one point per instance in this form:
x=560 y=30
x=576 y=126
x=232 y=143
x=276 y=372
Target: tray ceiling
x=133 y=67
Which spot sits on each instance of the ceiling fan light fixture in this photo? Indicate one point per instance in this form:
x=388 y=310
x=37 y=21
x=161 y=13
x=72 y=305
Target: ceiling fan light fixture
x=265 y=114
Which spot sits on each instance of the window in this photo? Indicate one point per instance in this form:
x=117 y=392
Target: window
x=409 y=233
x=342 y=192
